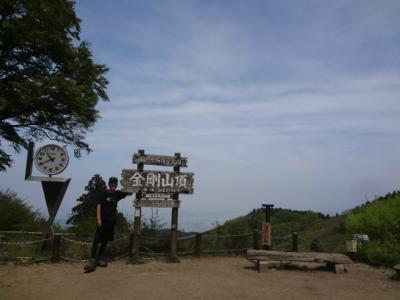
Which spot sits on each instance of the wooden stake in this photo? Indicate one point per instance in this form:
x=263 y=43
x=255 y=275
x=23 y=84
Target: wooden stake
x=174 y=219
x=56 y=248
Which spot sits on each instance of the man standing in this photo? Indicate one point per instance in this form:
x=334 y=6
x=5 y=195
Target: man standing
x=106 y=214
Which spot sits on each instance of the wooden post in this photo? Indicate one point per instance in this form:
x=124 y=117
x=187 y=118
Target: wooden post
x=295 y=239
x=198 y=244
x=138 y=215
x=136 y=232
x=267 y=227
x=256 y=239
x=174 y=219
x=56 y=248
x=174 y=228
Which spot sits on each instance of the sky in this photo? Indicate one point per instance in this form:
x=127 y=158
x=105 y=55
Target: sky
x=292 y=103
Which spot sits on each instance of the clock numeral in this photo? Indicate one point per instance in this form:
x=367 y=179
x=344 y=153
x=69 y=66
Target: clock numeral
x=50 y=169
x=52 y=147
x=60 y=165
x=40 y=157
x=62 y=159
x=61 y=154
x=56 y=168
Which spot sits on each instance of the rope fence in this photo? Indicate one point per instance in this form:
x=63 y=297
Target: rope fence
x=71 y=247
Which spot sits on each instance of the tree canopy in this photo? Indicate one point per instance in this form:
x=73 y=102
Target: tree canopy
x=88 y=201
x=49 y=84
x=83 y=215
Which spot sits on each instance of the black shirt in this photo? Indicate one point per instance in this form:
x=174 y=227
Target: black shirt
x=108 y=201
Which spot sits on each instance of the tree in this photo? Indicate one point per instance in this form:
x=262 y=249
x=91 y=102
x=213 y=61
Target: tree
x=152 y=225
x=83 y=215
x=88 y=201
x=49 y=84
x=16 y=214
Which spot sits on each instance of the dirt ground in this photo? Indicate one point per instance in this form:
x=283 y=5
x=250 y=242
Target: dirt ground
x=192 y=278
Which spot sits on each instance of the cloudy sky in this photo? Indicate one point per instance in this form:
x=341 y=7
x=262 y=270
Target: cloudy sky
x=294 y=103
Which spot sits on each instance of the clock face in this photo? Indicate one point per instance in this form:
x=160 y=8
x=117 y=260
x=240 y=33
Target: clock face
x=51 y=159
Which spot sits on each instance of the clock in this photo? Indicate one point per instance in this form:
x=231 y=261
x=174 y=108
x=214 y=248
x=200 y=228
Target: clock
x=51 y=159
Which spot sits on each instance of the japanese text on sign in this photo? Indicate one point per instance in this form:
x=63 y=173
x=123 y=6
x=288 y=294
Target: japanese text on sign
x=159 y=160
x=156 y=181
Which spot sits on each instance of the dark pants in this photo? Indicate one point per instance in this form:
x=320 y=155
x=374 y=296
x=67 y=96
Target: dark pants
x=102 y=236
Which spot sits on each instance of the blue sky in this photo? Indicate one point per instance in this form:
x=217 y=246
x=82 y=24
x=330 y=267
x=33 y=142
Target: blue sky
x=294 y=103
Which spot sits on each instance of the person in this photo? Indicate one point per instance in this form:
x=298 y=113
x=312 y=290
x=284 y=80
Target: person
x=106 y=213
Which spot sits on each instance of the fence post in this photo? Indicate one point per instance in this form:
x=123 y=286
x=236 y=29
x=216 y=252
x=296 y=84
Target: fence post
x=295 y=240
x=198 y=244
x=256 y=239
x=56 y=247
x=131 y=239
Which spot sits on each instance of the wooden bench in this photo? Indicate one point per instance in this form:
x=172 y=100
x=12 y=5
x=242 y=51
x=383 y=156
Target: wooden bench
x=265 y=259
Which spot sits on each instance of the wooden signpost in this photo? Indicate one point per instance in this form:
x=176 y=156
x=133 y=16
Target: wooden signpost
x=155 y=188
x=266 y=227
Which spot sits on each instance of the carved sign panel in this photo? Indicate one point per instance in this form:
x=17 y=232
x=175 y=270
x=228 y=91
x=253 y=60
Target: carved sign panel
x=134 y=181
x=266 y=233
x=157 y=203
x=159 y=160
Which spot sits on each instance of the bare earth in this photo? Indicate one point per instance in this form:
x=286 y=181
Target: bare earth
x=193 y=278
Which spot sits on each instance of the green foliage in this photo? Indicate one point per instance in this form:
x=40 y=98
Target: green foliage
x=380 y=220
x=315 y=246
x=152 y=225
x=379 y=253
x=17 y=215
x=86 y=207
x=83 y=216
x=49 y=84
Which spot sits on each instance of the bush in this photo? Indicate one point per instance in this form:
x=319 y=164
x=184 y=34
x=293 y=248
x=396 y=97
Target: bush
x=16 y=214
x=380 y=220
x=379 y=254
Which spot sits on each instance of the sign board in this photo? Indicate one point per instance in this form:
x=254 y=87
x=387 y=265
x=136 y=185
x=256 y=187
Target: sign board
x=157 y=203
x=266 y=233
x=157 y=196
x=159 y=160
x=134 y=181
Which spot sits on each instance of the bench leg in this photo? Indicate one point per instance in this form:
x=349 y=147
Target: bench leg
x=340 y=268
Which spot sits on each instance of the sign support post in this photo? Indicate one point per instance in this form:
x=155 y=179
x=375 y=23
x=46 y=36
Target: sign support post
x=174 y=218
x=138 y=215
x=266 y=227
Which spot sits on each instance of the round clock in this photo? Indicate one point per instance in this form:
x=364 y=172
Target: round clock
x=51 y=159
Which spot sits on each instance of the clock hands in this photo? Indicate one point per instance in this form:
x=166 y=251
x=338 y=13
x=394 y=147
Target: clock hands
x=50 y=159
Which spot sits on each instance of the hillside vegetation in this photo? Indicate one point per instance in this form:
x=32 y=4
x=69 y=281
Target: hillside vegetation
x=379 y=219
x=17 y=215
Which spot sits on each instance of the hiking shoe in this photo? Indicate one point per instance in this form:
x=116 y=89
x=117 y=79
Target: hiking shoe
x=101 y=263
x=90 y=265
